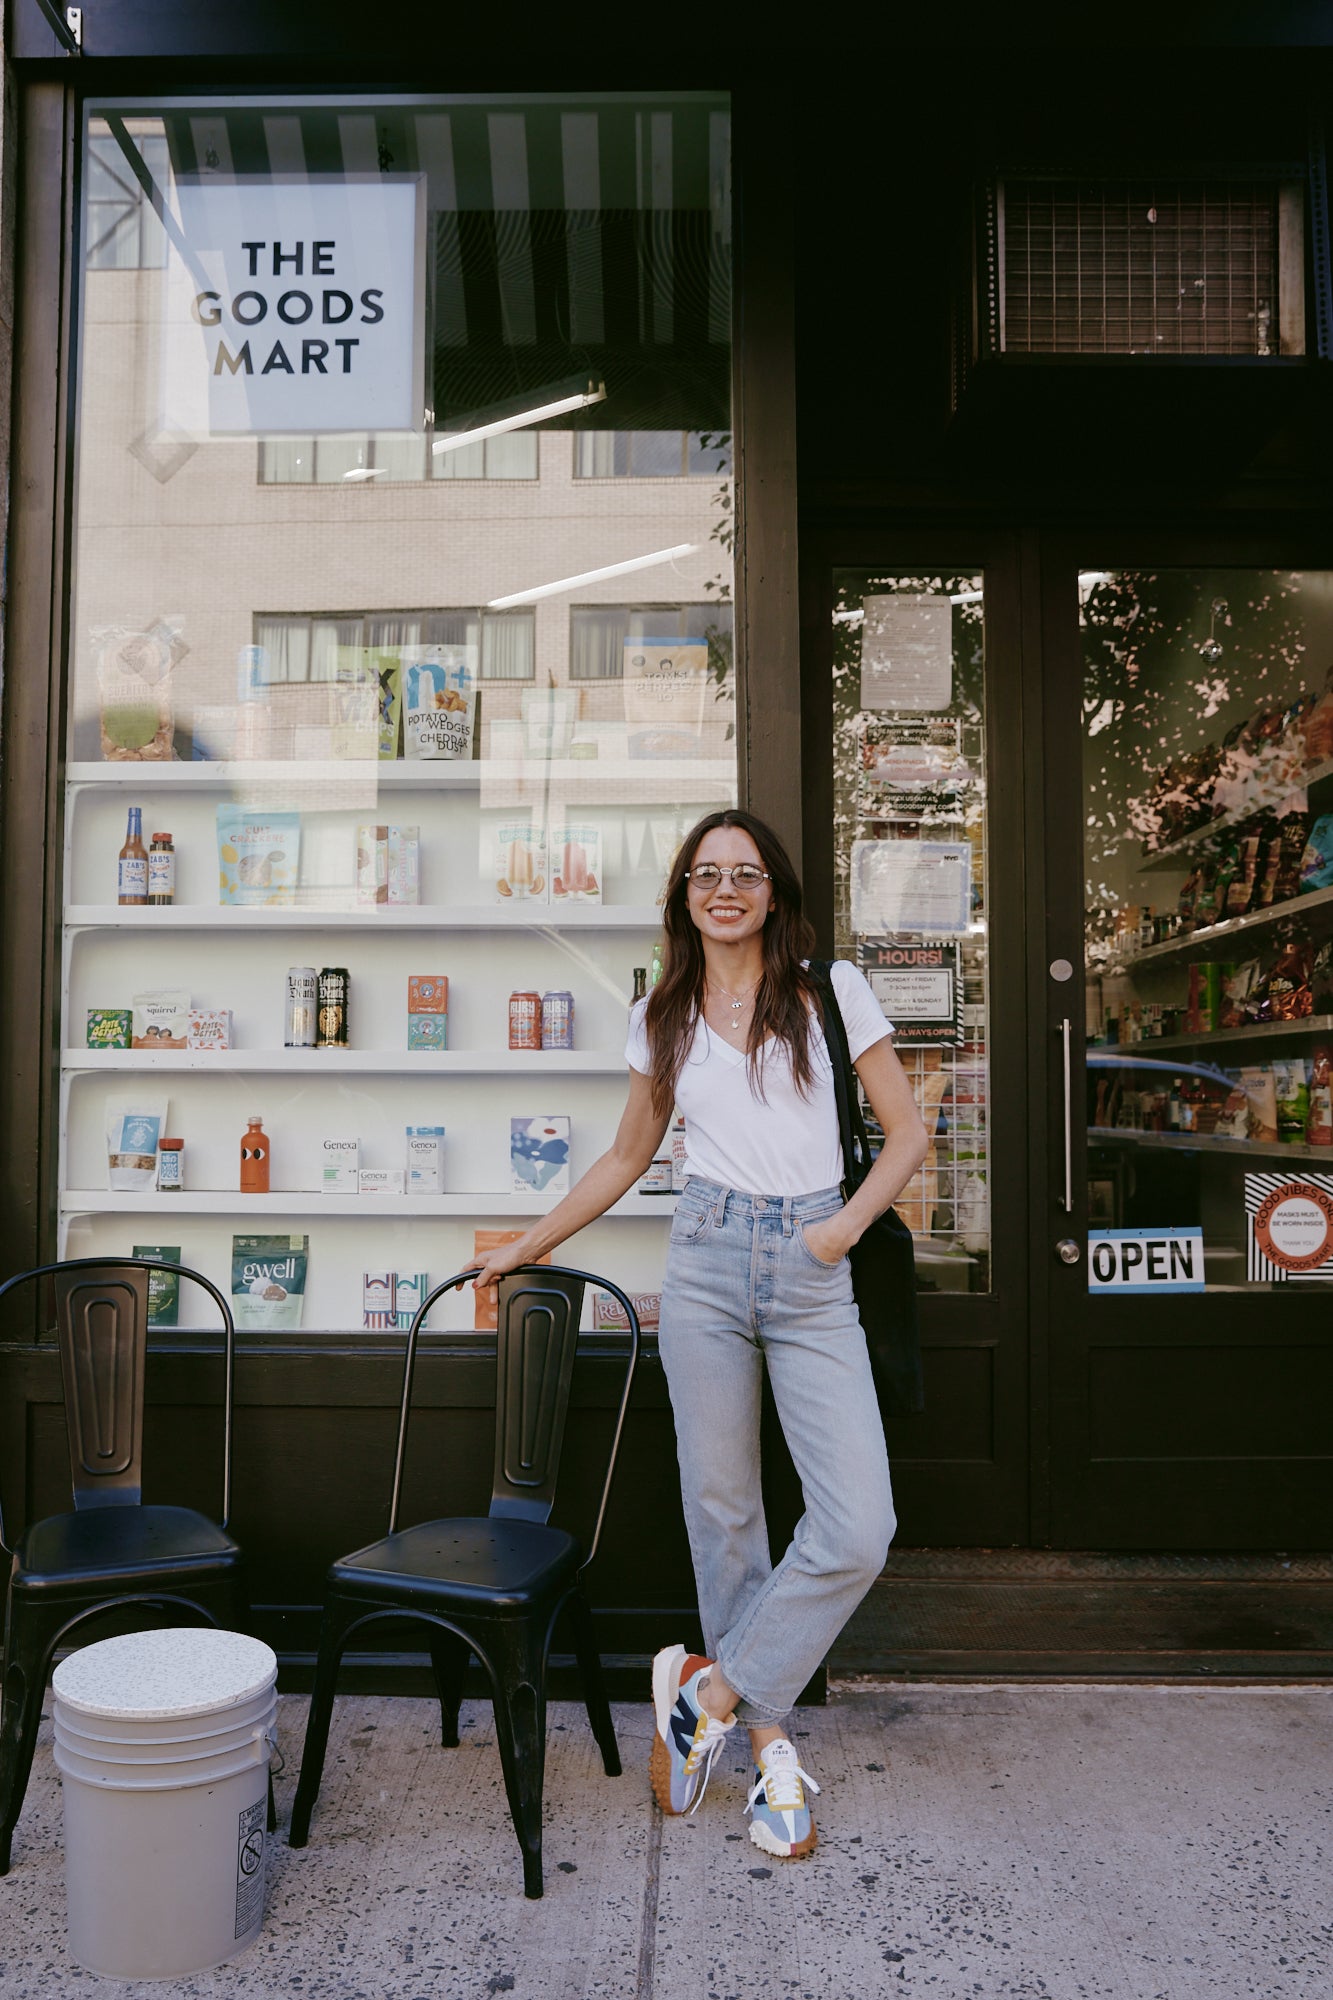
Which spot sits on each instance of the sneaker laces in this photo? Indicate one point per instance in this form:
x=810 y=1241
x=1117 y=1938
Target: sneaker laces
x=780 y=1781
x=704 y=1753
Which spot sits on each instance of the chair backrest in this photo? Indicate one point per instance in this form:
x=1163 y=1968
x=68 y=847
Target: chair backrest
x=536 y=1341
x=102 y=1330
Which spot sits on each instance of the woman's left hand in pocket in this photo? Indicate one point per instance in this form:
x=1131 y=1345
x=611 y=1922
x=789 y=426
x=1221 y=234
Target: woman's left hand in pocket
x=826 y=1240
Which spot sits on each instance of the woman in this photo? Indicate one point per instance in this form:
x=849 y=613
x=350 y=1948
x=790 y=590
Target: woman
x=757 y=1275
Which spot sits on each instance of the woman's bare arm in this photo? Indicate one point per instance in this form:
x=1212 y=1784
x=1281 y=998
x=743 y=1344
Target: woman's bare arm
x=629 y=1155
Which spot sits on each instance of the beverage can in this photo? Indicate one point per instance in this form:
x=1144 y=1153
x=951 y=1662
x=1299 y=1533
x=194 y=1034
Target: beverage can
x=333 y=983
x=558 y=1020
x=525 y=1020
x=302 y=1015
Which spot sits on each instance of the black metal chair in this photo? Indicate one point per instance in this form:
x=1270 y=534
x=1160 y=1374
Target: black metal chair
x=112 y=1550
x=493 y=1586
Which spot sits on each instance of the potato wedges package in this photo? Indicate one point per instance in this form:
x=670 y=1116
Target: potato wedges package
x=268 y=1276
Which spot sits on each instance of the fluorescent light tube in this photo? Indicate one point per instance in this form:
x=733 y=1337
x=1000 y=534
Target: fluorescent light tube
x=520 y=419
x=591 y=576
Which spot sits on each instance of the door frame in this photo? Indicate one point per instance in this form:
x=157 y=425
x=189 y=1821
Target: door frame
x=1209 y=1514
x=948 y=1496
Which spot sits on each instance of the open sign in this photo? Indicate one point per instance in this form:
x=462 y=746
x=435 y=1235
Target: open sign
x=1145 y=1260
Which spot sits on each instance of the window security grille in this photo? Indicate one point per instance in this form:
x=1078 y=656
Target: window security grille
x=1149 y=267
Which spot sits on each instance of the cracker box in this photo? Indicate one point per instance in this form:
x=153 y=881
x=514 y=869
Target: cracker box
x=109 y=1027
x=372 y=865
x=428 y=1031
x=427 y=993
x=608 y=1315
x=208 y=1028
x=404 y=864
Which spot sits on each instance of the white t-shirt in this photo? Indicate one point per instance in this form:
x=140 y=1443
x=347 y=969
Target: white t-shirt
x=778 y=1143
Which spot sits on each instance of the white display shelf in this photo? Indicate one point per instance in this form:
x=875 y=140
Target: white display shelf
x=402 y=917
x=1210 y=1142
x=1256 y=1031
x=308 y=1202
x=1210 y=934
x=1180 y=853
x=640 y=781
x=354 y=1062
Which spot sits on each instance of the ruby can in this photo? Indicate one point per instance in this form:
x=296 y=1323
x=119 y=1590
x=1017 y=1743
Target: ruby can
x=525 y=1020
x=558 y=1020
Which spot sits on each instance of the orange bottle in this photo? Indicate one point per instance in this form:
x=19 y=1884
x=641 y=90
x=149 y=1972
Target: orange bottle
x=254 y=1158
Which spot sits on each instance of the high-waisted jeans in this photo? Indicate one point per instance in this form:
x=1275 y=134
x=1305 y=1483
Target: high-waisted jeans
x=742 y=1290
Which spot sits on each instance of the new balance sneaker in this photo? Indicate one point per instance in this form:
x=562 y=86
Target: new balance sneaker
x=781 y=1822
x=688 y=1739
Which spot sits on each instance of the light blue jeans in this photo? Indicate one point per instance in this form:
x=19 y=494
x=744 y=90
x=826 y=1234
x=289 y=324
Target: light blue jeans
x=743 y=1291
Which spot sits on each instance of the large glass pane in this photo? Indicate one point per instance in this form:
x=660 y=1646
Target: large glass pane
x=329 y=566
x=1208 y=782
x=909 y=806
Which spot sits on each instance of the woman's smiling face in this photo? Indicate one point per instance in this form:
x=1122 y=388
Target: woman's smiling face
x=724 y=912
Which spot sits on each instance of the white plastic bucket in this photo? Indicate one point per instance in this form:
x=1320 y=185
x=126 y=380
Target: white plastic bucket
x=163 y=1742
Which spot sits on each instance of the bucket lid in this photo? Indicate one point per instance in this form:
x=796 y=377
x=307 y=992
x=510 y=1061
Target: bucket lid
x=181 y=1671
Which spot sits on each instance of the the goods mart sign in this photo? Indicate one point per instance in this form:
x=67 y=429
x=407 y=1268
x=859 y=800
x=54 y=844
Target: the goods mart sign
x=294 y=307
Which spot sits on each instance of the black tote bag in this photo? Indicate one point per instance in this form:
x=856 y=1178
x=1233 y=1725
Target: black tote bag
x=883 y=1262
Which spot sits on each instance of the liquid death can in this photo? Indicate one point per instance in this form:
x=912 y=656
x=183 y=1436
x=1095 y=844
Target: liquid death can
x=525 y=1020
x=302 y=1017
x=558 y=1020
x=332 y=1007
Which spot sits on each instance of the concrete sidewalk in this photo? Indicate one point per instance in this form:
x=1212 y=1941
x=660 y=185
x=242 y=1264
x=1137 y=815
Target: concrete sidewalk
x=1120 y=1842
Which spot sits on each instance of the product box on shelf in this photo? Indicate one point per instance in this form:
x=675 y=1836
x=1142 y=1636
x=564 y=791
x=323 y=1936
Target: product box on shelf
x=404 y=864
x=485 y=1305
x=380 y=1180
x=428 y=1031
x=409 y=1291
x=164 y=1287
x=208 y=1028
x=372 y=865
x=258 y=856
x=516 y=863
x=539 y=1155
x=160 y=1020
x=425 y=1159
x=378 y=1313
x=576 y=856
x=439 y=701
x=608 y=1315
x=109 y=1028
x=340 y=1166
x=427 y=1011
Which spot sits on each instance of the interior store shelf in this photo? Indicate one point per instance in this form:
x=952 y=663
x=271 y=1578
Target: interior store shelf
x=355 y=1062
x=1258 y=1031
x=1181 y=852
x=310 y=1202
x=639 y=781
x=403 y=916
x=1210 y=934
x=1209 y=1142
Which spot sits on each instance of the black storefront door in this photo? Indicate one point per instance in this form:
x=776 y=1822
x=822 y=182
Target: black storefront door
x=1183 y=1219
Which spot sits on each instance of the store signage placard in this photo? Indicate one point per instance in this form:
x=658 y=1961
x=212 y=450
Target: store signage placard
x=294 y=307
x=1145 y=1260
x=911 y=885
x=907 y=651
x=1288 y=1227
x=919 y=988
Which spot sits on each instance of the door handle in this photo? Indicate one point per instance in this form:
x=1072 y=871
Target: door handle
x=1066 y=1032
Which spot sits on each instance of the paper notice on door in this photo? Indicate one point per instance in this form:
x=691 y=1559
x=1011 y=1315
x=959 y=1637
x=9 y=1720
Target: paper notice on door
x=912 y=885
x=907 y=652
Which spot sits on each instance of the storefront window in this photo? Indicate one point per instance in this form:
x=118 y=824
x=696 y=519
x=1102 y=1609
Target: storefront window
x=909 y=778
x=1208 y=784
x=358 y=694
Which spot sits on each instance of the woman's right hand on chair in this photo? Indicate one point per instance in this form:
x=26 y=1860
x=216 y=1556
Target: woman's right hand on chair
x=499 y=1262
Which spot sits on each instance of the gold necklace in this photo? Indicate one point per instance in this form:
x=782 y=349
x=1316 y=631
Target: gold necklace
x=734 y=1026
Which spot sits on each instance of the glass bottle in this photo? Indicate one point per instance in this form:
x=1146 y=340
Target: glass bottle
x=655 y=969
x=640 y=984
x=254 y=1158
x=132 y=872
x=161 y=870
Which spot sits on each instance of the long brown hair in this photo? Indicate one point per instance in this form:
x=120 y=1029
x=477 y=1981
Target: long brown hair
x=785 y=991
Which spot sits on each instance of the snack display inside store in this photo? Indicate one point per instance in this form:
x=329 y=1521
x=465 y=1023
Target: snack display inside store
x=1208 y=703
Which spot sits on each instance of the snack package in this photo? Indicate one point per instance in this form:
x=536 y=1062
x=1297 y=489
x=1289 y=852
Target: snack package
x=377 y=1296
x=439 y=701
x=1256 y=1080
x=1291 y=837
x=576 y=857
x=208 y=1028
x=485 y=1304
x=1317 y=859
x=1292 y=1087
x=268 y=1275
x=608 y=1315
x=1233 y=1120
x=539 y=1155
x=389 y=674
x=1240 y=894
x=1285 y=992
x=258 y=856
x=131 y=1147
x=109 y=1027
x=164 y=1287
x=1239 y=983
x=160 y=1020
x=518 y=866
x=372 y=865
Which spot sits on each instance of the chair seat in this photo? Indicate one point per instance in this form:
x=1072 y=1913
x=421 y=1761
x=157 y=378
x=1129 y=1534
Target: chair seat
x=102 y=1545
x=495 y=1564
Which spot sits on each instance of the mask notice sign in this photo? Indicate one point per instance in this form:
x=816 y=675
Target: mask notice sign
x=1289 y=1227
x=294 y=307
x=1145 y=1260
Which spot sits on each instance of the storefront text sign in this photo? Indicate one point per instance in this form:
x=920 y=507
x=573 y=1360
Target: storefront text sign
x=1145 y=1260
x=918 y=987
x=294 y=307
x=1289 y=1226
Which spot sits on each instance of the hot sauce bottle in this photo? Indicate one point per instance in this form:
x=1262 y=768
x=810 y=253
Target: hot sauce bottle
x=254 y=1158
x=132 y=872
